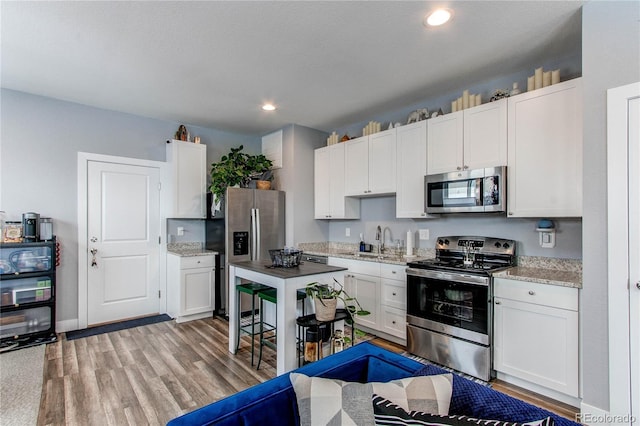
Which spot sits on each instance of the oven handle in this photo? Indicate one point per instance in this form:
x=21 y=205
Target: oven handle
x=458 y=277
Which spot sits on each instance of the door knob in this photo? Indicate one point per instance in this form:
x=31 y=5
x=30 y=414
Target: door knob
x=94 y=239
x=638 y=285
x=94 y=263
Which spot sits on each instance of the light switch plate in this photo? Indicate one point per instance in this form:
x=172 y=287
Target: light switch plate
x=347 y=232
x=423 y=234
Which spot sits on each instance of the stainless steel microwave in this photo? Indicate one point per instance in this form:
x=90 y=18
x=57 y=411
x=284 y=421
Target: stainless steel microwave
x=467 y=191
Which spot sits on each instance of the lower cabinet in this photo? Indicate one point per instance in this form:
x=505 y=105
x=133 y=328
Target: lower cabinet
x=380 y=289
x=536 y=336
x=190 y=286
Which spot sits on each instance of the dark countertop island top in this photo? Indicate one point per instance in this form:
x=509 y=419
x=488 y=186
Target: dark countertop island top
x=305 y=268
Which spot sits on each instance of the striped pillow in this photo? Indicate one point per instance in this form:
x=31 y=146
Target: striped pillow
x=388 y=413
x=331 y=401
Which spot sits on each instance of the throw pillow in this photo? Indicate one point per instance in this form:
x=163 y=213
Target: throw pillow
x=335 y=402
x=388 y=413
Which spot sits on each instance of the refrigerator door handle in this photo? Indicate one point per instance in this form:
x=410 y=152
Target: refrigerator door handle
x=258 y=236
x=254 y=233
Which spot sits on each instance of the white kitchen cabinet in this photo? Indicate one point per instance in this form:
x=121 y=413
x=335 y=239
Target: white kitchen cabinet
x=188 y=179
x=393 y=300
x=544 y=172
x=536 y=337
x=329 y=199
x=474 y=138
x=370 y=164
x=411 y=168
x=381 y=289
x=190 y=286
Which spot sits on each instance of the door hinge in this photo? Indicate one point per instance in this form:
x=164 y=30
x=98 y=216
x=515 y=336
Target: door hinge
x=159 y=295
x=159 y=239
x=159 y=186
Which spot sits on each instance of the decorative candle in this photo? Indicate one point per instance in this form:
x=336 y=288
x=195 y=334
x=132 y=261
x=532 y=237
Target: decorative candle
x=538 y=78
x=555 y=76
x=460 y=103
x=531 y=85
x=465 y=99
x=546 y=79
x=454 y=105
x=472 y=101
x=478 y=99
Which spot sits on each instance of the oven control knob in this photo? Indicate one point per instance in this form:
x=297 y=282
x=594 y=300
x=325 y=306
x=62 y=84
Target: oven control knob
x=505 y=245
x=440 y=241
x=446 y=242
x=497 y=244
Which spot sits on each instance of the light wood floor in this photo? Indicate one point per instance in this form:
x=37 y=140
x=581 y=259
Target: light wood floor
x=151 y=374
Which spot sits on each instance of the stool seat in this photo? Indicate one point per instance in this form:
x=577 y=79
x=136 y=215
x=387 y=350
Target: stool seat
x=251 y=289
x=271 y=295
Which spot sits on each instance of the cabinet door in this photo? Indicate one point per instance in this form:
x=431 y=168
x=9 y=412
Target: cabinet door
x=197 y=290
x=444 y=143
x=537 y=343
x=393 y=321
x=382 y=162
x=356 y=171
x=411 y=156
x=485 y=135
x=545 y=152
x=365 y=288
x=189 y=179
x=322 y=183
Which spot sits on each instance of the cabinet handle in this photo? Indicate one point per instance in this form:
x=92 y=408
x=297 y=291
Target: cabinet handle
x=465 y=167
x=393 y=272
x=394 y=294
x=393 y=322
x=638 y=285
x=458 y=168
x=510 y=213
x=498 y=302
x=531 y=292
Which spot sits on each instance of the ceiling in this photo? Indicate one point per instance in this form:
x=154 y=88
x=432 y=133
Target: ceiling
x=323 y=64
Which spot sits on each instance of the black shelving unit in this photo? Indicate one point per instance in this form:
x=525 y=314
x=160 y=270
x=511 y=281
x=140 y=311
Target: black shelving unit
x=310 y=321
x=27 y=294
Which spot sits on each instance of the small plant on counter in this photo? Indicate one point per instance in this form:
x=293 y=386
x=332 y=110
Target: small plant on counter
x=326 y=296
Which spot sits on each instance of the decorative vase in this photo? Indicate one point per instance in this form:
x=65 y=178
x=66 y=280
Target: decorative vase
x=263 y=184
x=325 y=309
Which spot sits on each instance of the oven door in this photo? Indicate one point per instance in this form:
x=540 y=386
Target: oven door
x=449 y=303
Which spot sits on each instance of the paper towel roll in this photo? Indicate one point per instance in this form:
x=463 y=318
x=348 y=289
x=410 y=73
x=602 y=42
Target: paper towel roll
x=409 y=243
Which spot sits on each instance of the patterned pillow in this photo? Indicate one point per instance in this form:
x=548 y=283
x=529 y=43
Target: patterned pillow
x=335 y=402
x=388 y=413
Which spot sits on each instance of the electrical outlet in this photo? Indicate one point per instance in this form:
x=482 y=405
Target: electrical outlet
x=424 y=234
x=347 y=232
x=180 y=230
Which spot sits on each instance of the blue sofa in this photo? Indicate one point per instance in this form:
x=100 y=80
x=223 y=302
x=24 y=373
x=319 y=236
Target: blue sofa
x=274 y=401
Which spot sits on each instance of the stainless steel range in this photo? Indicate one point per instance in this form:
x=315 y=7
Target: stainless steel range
x=449 y=309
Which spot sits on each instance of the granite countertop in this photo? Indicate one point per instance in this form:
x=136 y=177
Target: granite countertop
x=189 y=249
x=365 y=257
x=565 y=278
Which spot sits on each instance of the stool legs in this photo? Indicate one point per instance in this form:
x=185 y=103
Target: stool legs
x=253 y=323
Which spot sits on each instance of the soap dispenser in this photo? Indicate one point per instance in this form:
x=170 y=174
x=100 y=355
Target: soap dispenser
x=361 y=243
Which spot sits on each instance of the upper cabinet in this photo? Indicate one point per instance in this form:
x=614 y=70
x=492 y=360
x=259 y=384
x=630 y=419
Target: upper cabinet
x=411 y=161
x=370 y=164
x=329 y=171
x=188 y=179
x=474 y=138
x=545 y=152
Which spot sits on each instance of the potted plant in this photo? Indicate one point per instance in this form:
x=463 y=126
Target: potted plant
x=325 y=298
x=237 y=168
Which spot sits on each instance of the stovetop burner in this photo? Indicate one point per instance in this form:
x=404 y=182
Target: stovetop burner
x=475 y=255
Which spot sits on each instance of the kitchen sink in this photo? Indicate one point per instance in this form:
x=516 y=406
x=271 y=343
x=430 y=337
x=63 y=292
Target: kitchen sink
x=375 y=255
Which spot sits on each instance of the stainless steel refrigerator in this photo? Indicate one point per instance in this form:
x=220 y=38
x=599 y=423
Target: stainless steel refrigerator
x=253 y=225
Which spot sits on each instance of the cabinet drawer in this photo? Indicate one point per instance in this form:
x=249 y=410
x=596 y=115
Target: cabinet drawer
x=394 y=321
x=197 y=262
x=357 y=266
x=540 y=294
x=393 y=272
x=394 y=295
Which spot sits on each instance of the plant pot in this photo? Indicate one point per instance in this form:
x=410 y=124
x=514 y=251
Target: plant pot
x=263 y=184
x=325 y=309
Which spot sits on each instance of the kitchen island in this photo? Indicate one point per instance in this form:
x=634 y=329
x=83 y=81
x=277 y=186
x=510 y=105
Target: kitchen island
x=287 y=281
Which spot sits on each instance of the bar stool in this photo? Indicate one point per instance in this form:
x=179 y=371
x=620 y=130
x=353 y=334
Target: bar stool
x=251 y=289
x=271 y=295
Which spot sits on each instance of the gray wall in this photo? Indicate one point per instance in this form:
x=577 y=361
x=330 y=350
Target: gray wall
x=40 y=141
x=611 y=58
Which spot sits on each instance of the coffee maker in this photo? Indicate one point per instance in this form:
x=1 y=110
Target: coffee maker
x=31 y=227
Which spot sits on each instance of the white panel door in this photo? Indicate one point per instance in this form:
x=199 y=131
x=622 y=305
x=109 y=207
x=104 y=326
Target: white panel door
x=634 y=255
x=123 y=226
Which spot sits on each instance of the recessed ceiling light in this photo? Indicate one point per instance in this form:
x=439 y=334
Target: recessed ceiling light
x=268 y=107
x=438 y=17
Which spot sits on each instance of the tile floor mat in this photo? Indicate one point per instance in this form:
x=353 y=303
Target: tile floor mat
x=427 y=362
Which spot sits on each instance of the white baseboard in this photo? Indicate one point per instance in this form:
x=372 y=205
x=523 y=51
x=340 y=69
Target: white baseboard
x=594 y=416
x=67 y=325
